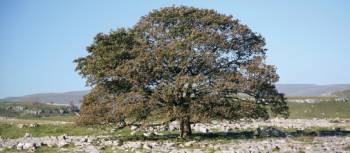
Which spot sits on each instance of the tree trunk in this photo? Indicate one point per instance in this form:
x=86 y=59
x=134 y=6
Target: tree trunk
x=182 y=128
x=188 y=130
x=185 y=127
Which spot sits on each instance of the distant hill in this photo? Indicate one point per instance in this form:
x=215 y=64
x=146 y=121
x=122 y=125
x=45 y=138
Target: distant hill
x=62 y=98
x=345 y=93
x=311 y=89
x=30 y=109
x=288 y=89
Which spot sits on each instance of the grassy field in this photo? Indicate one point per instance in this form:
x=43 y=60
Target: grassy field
x=13 y=131
x=345 y=93
x=319 y=110
x=65 y=124
x=297 y=110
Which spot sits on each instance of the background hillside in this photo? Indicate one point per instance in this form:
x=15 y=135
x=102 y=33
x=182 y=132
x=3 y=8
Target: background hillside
x=311 y=89
x=289 y=90
x=345 y=93
x=62 y=98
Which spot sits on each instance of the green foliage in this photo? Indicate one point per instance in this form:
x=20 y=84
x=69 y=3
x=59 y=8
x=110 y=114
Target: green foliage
x=194 y=63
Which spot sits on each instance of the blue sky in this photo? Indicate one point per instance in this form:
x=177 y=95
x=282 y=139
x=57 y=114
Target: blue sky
x=308 y=41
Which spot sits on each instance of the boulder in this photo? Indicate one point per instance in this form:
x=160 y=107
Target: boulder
x=27 y=135
x=174 y=125
x=133 y=145
x=269 y=132
x=63 y=137
x=169 y=144
x=62 y=143
x=34 y=125
x=91 y=149
x=157 y=133
x=203 y=129
x=19 y=146
x=133 y=127
x=20 y=126
x=83 y=140
x=117 y=143
x=114 y=129
x=108 y=143
x=49 y=143
x=30 y=146
x=147 y=146
x=148 y=134
x=189 y=143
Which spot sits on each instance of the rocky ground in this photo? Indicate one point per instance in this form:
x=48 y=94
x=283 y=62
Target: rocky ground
x=218 y=136
x=299 y=124
x=100 y=144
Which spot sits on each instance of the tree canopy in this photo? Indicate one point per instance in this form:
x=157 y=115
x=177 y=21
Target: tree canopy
x=195 y=64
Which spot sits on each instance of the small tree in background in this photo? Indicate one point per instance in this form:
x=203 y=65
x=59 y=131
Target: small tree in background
x=72 y=107
x=194 y=63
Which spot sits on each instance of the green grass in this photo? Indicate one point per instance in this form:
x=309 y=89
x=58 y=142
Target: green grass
x=65 y=118
x=347 y=148
x=319 y=110
x=310 y=97
x=12 y=131
x=43 y=149
x=211 y=150
x=9 y=129
x=115 y=150
x=345 y=93
x=301 y=151
x=39 y=150
x=304 y=139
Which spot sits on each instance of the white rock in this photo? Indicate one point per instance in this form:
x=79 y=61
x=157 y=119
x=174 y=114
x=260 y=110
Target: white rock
x=134 y=127
x=27 y=135
x=174 y=125
x=147 y=146
x=169 y=144
x=20 y=126
x=189 y=143
x=113 y=129
x=133 y=145
x=34 y=125
x=148 y=134
x=29 y=146
x=91 y=149
x=20 y=146
x=62 y=143
x=203 y=129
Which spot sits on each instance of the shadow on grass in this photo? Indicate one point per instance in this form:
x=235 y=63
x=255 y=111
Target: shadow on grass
x=233 y=135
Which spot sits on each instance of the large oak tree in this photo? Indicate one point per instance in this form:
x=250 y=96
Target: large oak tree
x=194 y=64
